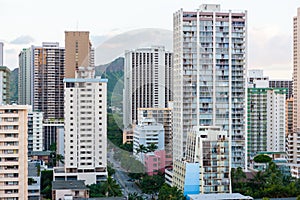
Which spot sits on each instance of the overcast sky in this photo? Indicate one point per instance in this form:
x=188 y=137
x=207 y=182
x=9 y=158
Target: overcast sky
x=31 y=22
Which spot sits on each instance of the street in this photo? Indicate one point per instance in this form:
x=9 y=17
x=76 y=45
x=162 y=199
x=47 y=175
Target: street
x=122 y=178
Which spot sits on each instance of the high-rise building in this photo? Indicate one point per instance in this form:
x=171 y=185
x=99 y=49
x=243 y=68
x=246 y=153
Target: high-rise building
x=276 y=120
x=35 y=131
x=210 y=76
x=4 y=85
x=206 y=167
x=85 y=128
x=296 y=85
x=25 y=76
x=1 y=53
x=79 y=52
x=13 y=152
x=41 y=77
x=48 y=86
x=266 y=120
x=283 y=84
x=148 y=81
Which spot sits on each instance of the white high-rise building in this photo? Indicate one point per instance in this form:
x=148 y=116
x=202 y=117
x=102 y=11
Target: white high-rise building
x=147 y=81
x=276 y=120
x=210 y=69
x=13 y=152
x=85 y=128
x=25 y=84
x=296 y=89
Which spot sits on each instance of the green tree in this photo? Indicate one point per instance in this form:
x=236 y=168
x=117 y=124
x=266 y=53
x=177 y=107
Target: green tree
x=151 y=184
x=135 y=196
x=111 y=188
x=238 y=177
x=55 y=158
x=152 y=147
x=46 y=183
x=111 y=171
x=96 y=190
x=262 y=159
x=127 y=146
x=170 y=193
x=141 y=149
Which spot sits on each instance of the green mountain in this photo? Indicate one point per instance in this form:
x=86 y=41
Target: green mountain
x=13 y=85
x=114 y=72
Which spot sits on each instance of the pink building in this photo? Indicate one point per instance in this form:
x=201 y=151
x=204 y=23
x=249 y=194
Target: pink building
x=155 y=162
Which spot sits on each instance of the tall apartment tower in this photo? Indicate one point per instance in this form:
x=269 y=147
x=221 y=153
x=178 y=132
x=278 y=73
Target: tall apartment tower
x=79 y=52
x=210 y=76
x=25 y=76
x=296 y=83
x=85 y=128
x=48 y=86
x=1 y=53
x=4 y=85
x=13 y=152
x=41 y=77
x=148 y=81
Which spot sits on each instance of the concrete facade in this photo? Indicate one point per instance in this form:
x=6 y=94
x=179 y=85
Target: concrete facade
x=148 y=81
x=85 y=128
x=210 y=69
x=207 y=165
x=13 y=152
x=4 y=85
x=145 y=133
x=162 y=116
x=79 y=52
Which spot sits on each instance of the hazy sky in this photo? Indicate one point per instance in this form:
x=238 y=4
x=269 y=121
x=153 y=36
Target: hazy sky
x=31 y=22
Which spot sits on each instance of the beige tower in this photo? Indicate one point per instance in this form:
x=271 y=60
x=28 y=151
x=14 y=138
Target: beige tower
x=79 y=52
x=296 y=84
x=13 y=152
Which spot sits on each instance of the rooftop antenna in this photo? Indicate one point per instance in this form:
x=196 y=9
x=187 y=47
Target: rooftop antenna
x=77 y=25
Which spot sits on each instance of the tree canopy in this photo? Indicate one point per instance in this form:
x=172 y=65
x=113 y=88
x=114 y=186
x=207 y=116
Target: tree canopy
x=262 y=159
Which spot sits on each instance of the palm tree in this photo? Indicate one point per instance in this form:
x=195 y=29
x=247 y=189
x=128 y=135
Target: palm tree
x=141 y=149
x=59 y=159
x=170 y=193
x=111 y=188
x=135 y=196
x=152 y=147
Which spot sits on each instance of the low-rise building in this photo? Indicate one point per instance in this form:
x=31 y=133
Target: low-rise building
x=127 y=136
x=145 y=133
x=34 y=180
x=155 y=162
x=66 y=190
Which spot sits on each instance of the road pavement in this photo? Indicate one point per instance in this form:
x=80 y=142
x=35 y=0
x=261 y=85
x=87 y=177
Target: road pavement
x=121 y=177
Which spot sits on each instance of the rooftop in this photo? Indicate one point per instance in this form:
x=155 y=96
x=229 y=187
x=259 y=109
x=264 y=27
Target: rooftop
x=221 y=196
x=71 y=185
